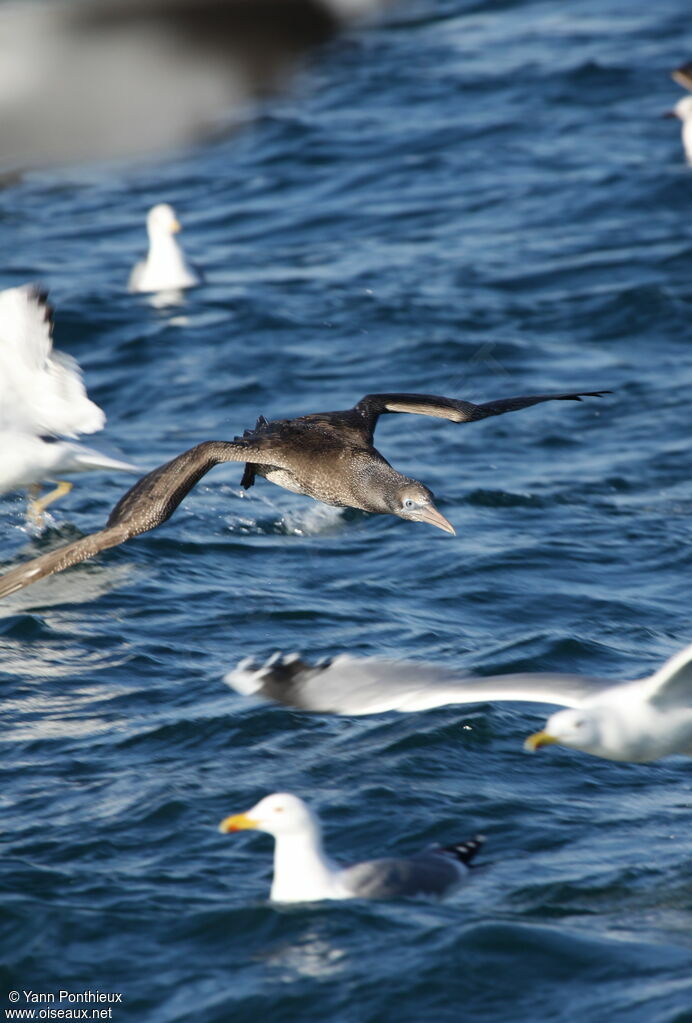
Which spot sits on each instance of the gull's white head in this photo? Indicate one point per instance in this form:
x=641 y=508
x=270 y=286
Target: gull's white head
x=161 y=219
x=577 y=729
x=279 y=814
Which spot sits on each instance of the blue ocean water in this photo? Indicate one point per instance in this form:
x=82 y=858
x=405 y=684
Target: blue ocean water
x=471 y=198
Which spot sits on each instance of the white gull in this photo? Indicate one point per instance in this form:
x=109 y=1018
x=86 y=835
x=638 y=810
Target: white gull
x=42 y=398
x=637 y=721
x=165 y=268
x=303 y=872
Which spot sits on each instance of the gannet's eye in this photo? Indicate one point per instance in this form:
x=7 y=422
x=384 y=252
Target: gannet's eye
x=409 y=503
x=278 y=809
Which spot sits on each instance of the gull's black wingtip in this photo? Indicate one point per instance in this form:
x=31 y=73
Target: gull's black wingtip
x=467 y=851
x=39 y=293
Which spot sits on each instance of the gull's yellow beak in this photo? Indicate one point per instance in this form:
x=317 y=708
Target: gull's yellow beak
x=537 y=740
x=238 y=822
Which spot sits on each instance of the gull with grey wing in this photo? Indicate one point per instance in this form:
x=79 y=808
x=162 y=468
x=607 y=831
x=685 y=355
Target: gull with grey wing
x=637 y=721
x=303 y=872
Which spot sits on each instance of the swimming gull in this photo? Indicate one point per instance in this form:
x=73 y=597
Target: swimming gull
x=636 y=721
x=303 y=872
x=165 y=268
x=42 y=398
x=328 y=456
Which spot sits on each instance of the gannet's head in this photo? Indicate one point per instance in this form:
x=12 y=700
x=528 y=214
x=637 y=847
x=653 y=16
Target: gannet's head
x=414 y=502
x=682 y=109
x=577 y=729
x=279 y=814
x=161 y=219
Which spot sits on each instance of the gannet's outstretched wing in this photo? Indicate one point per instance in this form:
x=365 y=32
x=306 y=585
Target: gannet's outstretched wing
x=372 y=406
x=151 y=501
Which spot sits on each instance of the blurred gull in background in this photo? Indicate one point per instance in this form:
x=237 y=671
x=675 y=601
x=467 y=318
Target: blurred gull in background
x=110 y=79
x=683 y=108
x=165 y=267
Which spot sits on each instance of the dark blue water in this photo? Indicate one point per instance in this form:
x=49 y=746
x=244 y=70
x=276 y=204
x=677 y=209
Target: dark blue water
x=476 y=199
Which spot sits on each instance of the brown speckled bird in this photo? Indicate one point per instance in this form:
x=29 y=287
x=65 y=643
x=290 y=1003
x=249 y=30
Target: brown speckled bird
x=328 y=456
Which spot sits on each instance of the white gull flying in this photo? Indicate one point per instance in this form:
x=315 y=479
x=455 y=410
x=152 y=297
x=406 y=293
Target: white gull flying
x=42 y=398
x=636 y=721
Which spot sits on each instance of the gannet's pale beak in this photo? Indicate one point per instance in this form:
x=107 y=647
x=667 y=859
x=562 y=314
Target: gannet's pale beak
x=238 y=822
x=433 y=517
x=176 y=226
x=537 y=740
